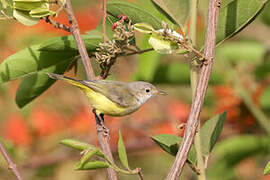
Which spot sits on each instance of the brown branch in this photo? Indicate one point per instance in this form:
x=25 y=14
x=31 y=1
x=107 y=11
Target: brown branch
x=80 y=44
x=197 y=103
x=101 y=133
x=11 y=164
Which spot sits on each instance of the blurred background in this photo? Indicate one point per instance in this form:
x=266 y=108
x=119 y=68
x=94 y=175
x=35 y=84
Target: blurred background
x=239 y=84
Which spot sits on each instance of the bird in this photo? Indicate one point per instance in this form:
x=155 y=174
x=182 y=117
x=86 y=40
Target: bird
x=113 y=98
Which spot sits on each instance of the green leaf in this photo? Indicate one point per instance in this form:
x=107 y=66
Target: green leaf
x=267 y=169
x=135 y=13
x=24 y=17
x=41 y=12
x=170 y=144
x=67 y=43
x=177 y=11
x=211 y=131
x=28 y=6
x=30 y=60
x=167 y=142
x=265 y=16
x=234 y=15
x=76 y=144
x=34 y=84
x=92 y=165
x=143 y=28
x=122 y=152
x=86 y=157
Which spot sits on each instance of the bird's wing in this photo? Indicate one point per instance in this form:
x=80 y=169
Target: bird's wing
x=117 y=92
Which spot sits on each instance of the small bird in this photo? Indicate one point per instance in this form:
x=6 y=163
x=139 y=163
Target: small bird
x=114 y=98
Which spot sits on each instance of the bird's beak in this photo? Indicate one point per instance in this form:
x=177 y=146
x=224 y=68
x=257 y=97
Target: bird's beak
x=160 y=92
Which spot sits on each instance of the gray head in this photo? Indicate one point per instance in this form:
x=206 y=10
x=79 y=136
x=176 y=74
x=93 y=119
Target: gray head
x=144 y=91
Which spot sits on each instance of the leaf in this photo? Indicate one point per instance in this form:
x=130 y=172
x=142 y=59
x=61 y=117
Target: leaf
x=234 y=15
x=135 y=13
x=92 y=165
x=86 y=157
x=267 y=169
x=210 y=132
x=170 y=144
x=24 y=17
x=67 y=43
x=177 y=11
x=122 y=152
x=262 y=70
x=143 y=28
x=30 y=60
x=76 y=144
x=34 y=84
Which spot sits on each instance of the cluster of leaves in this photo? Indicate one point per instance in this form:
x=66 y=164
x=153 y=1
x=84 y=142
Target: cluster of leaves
x=29 y=12
x=89 y=152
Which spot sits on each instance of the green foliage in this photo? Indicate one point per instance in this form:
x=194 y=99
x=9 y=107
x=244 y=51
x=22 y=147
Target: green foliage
x=210 y=132
x=91 y=165
x=234 y=15
x=122 y=152
x=67 y=43
x=267 y=169
x=135 y=13
x=265 y=99
x=170 y=144
x=76 y=144
x=231 y=151
x=33 y=63
x=176 y=11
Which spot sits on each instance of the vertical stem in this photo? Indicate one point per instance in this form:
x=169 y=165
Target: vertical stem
x=194 y=74
x=11 y=165
x=80 y=44
x=102 y=135
x=197 y=103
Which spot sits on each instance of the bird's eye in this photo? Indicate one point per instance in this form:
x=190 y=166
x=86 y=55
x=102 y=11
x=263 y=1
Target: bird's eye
x=147 y=90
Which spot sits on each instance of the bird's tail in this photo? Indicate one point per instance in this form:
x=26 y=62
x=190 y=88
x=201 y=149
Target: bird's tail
x=72 y=81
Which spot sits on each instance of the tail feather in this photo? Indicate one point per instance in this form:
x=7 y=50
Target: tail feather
x=72 y=81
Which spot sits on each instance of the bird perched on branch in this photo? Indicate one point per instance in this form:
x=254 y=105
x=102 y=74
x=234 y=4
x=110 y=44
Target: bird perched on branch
x=114 y=98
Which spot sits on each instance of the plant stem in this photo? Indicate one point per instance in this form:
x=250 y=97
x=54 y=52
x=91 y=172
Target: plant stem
x=102 y=135
x=194 y=73
x=11 y=164
x=193 y=119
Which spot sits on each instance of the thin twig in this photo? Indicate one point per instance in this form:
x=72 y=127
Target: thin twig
x=56 y=24
x=140 y=173
x=11 y=164
x=138 y=52
x=103 y=139
x=104 y=19
x=193 y=119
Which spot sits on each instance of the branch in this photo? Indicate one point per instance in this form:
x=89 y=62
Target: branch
x=80 y=44
x=11 y=165
x=104 y=19
x=193 y=119
x=101 y=133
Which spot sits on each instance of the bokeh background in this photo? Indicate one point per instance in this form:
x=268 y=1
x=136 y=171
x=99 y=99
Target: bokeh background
x=32 y=134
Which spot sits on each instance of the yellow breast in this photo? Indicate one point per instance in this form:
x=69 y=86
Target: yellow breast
x=105 y=106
